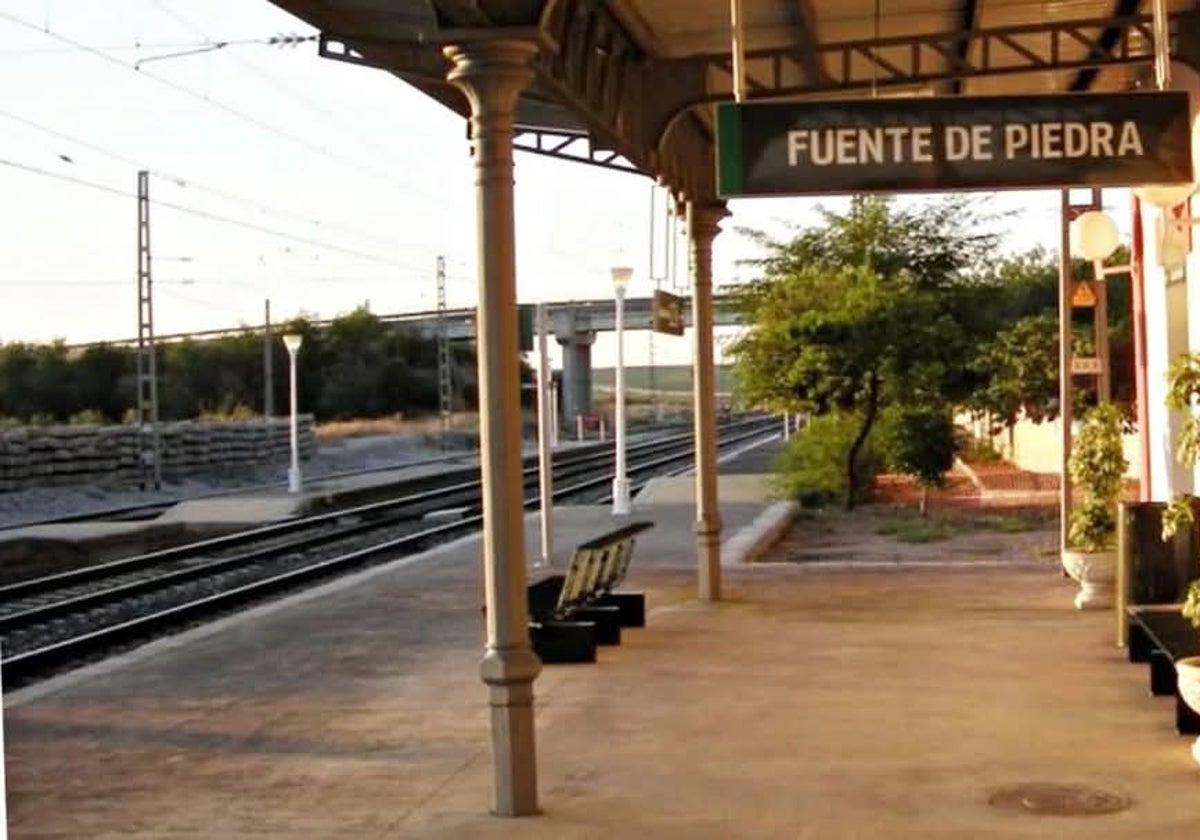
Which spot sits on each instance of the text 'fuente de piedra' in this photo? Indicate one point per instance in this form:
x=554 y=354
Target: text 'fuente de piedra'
x=915 y=143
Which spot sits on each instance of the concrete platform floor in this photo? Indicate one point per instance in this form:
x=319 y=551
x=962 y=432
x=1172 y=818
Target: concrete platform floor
x=809 y=704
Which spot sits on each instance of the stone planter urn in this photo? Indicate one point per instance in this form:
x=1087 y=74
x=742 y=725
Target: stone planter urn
x=1187 y=672
x=1096 y=574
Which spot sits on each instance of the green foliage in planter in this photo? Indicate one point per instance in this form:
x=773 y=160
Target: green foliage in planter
x=1191 y=606
x=1093 y=526
x=1183 y=389
x=1097 y=467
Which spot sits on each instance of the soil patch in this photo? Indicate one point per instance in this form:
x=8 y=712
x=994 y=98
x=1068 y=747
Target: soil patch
x=959 y=527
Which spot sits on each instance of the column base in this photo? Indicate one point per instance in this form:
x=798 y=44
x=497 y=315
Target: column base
x=620 y=493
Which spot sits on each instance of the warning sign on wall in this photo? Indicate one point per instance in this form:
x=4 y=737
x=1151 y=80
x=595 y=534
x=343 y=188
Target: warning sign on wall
x=1082 y=294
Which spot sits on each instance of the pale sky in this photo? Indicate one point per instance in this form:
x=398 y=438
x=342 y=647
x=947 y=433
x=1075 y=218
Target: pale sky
x=367 y=180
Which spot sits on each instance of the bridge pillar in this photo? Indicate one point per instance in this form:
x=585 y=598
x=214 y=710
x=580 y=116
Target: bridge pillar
x=703 y=225
x=491 y=70
x=577 y=373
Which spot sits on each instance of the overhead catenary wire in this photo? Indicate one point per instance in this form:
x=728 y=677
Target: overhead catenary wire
x=138 y=46
x=216 y=217
x=237 y=113
x=188 y=182
x=278 y=83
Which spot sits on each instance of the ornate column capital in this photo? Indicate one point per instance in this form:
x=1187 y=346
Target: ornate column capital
x=492 y=69
x=705 y=219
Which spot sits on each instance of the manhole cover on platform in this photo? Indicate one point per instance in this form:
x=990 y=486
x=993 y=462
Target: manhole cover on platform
x=1059 y=800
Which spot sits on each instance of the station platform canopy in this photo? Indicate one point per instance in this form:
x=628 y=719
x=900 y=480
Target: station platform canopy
x=631 y=84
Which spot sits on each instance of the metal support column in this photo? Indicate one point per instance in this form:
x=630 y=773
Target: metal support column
x=445 y=382
x=703 y=225
x=1064 y=365
x=657 y=286
x=545 y=421
x=149 y=443
x=491 y=72
x=268 y=364
x=1103 y=351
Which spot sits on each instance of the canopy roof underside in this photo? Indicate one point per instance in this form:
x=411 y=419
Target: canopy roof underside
x=632 y=83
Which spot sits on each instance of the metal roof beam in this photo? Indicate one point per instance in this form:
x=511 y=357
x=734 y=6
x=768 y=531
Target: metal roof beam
x=911 y=60
x=801 y=15
x=1085 y=78
x=968 y=20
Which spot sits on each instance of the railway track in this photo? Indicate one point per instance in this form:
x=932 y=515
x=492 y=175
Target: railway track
x=53 y=623
x=148 y=510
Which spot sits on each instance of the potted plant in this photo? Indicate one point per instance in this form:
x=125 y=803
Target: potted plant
x=1187 y=670
x=1183 y=391
x=1097 y=467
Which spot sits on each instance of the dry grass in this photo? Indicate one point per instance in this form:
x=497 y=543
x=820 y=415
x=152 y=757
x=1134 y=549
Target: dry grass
x=397 y=424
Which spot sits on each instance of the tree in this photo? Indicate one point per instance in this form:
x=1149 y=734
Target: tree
x=920 y=441
x=862 y=313
x=1018 y=372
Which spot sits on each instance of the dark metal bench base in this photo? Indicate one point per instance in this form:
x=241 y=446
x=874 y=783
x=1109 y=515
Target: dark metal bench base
x=1160 y=636
x=606 y=619
x=563 y=641
x=631 y=604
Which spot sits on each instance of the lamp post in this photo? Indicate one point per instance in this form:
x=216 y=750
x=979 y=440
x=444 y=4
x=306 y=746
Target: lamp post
x=620 y=493
x=292 y=342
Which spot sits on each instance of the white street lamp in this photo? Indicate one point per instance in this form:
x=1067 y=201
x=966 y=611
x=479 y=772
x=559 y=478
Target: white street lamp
x=620 y=494
x=292 y=342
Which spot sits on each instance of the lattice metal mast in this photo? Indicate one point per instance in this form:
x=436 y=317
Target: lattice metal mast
x=445 y=382
x=149 y=443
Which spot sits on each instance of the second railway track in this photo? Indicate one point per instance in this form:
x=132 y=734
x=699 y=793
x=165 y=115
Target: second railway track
x=55 y=622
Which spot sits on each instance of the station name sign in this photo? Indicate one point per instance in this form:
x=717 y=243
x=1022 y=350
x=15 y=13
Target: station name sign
x=925 y=145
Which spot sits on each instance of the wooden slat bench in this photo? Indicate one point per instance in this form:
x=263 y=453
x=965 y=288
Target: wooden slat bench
x=1160 y=636
x=570 y=614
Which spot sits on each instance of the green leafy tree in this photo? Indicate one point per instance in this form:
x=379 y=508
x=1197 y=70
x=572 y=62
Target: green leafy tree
x=862 y=313
x=1018 y=372
x=920 y=441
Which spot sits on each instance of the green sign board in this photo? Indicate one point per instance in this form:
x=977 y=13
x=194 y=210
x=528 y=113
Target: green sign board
x=962 y=143
x=525 y=326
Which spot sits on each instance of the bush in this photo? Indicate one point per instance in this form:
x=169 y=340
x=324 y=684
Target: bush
x=87 y=417
x=812 y=467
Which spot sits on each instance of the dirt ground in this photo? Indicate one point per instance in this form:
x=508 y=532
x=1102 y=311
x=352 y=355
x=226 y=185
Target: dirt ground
x=959 y=527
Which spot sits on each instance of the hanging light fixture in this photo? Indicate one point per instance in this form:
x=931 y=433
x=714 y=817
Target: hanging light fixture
x=1094 y=236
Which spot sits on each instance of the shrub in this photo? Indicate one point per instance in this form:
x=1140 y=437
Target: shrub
x=1098 y=467
x=87 y=417
x=812 y=467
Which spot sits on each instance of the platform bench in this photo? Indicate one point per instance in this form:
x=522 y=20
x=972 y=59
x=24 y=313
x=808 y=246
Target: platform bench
x=572 y=613
x=1160 y=636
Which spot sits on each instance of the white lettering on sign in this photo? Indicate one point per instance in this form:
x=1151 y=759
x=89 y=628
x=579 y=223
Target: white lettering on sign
x=1086 y=365
x=854 y=146
x=1071 y=140
x=915 y=144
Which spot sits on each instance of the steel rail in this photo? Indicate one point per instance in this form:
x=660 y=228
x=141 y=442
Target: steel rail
x=46 y=612
x=21 y=667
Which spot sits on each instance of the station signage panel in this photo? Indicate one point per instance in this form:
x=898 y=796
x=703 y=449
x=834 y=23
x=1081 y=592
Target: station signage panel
x=962 y=143
x=667 y=317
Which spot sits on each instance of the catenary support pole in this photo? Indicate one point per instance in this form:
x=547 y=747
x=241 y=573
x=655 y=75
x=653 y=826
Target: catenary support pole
x=620 y=491
x=703 y=225
x=268 y=364
x=491 y=72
